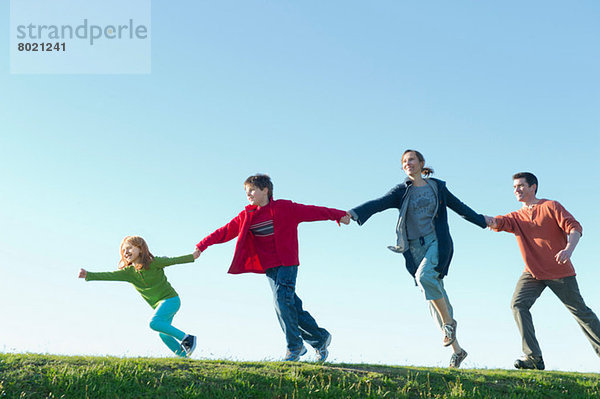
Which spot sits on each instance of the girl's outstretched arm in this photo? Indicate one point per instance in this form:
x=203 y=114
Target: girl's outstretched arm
x=117 y=275
x=165 y=261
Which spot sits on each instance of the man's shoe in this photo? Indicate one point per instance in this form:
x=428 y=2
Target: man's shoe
x=449 y=333
x=530 y=363
x=322 y=351
x=457 y=359
x=294 y=356
x=188 y=344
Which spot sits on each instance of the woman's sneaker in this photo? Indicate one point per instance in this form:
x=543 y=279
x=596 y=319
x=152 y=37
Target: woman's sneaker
x=530 y=363
x=449 y=333
x=188 y=344
x=294 y=356
x=322 y=351
x=457 y=359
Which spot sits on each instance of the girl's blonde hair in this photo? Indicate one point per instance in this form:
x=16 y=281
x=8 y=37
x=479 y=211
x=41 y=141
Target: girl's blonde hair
x=145 y=256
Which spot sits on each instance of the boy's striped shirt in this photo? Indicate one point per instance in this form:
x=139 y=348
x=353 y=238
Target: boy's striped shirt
x=262 y=229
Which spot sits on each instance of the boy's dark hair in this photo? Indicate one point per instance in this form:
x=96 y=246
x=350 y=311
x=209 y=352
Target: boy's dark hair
x=529 y=178
x=261 y=181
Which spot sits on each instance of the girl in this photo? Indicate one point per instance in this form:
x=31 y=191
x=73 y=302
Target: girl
x=423 y=237
x=139 y=267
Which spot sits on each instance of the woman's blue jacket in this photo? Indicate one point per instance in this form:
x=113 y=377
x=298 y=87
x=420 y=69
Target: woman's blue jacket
x=397 y=197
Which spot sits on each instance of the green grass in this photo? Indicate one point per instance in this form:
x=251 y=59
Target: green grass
x=48 y=376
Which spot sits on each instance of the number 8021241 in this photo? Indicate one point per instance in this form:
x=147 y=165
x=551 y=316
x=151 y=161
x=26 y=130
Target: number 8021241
x=42 y=47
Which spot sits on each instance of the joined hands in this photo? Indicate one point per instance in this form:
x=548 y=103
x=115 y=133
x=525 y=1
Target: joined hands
x=345 y=219
x=491 y=222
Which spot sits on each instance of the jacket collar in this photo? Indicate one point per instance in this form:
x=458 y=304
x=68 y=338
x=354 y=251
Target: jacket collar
x=255 y=207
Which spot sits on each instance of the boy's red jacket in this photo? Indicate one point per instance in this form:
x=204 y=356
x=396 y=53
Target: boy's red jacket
x=286 y=217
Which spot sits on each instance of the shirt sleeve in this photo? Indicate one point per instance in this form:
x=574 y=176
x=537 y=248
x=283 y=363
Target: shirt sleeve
x=222 y=234
x=565 y=220
x=390 y=200
x=505 y=223
x=312 y=213
x=117 y=275
x=165 y=261
x=463 y=210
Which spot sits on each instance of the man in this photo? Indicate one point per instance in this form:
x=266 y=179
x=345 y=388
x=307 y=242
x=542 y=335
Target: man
x=547 y=235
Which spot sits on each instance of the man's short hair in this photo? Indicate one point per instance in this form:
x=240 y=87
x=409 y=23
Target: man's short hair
x=261 y=181
x=529 y=178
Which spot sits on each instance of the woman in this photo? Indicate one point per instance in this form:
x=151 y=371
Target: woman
x=423 y=237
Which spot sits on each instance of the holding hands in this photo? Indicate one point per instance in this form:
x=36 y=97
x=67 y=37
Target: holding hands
x=490 y=221
x=345 y=219
x=196 y=253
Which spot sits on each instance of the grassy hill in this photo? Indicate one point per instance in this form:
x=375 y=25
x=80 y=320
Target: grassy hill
x=48 y=376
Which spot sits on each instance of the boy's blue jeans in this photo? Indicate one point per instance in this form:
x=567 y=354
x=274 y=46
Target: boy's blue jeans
x=297 y=324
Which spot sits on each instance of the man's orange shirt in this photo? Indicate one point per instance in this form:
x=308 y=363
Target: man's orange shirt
x=541 y=233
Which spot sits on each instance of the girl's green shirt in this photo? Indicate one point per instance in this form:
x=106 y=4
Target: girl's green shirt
x=152 y=284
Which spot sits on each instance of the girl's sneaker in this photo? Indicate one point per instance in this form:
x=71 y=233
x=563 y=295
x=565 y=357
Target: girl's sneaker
x=188 y=344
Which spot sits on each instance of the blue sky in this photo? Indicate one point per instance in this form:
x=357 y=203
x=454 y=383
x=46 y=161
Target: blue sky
x=324 y=97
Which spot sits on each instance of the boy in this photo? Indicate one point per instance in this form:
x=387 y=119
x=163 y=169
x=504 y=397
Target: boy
x=267 y=242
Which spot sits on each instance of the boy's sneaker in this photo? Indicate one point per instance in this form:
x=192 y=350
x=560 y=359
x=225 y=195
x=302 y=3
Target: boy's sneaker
x=322 y=351
x=457 y=359
x=449 y=333
x=294 y=356
x=188 y=344
x=530 y=363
